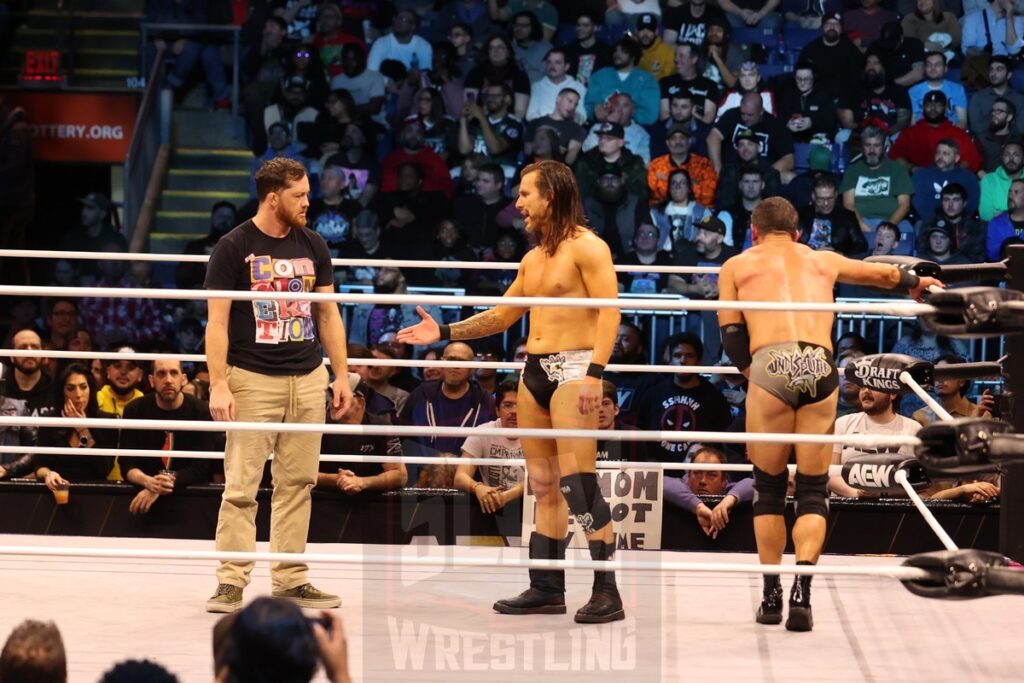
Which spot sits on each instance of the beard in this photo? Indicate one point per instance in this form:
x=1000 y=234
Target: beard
x=611 y=195
x=832 y=36
x=385 y=287
x=995 y=128
x=292 y=220
x=874 y=79
x=935 y=120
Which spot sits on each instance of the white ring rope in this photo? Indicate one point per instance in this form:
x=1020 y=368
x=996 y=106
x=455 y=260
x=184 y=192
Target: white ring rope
x=343 y=262
x=862 y=440
x=457 y=560
x=929 y=518
x=619 y=465
x=940 y=412
x=373 y=362
x=895 y=308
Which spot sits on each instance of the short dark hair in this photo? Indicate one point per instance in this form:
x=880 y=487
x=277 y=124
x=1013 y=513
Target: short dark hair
x=558 y=50
x=632 y=48
x=508 y=386
x=34 y=653
x=354 y=350
x=824 y=180
x=687 y=338
x=223 y=204
x=276 y=174
x=1010 y=106
x=954 y=189
x=936 y=53
x=134 y=670
x=609 y=391
x=949 y=142
x=274 y=19
x=52 y=303
x=495 y=171
x=859 y=340
x=955 y=359
x=416 y=168
x=271 y=640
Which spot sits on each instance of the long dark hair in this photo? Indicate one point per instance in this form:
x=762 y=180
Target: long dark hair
x=91 y=407
x=557 y=183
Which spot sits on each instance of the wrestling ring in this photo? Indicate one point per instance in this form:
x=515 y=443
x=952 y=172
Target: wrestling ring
x=423 y=612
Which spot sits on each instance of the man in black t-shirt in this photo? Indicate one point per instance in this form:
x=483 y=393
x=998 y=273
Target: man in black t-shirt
x=355 y=477
x=587 y=54
x=687 y=22
x=158 y=477
x=873 y=96
x=776 y=144
x=266 y=365
x=687 y=78
x=684 y=402
x=837 y=61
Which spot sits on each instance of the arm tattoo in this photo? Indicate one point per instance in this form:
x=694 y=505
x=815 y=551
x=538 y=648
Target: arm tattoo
x=482 y=324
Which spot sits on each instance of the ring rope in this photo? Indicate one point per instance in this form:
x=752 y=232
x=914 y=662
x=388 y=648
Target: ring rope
x=373 y=362
x=893 y=571
x=895 y=308
x=344 y=262
x=941 y=412
x=929 y=518
x=863 y=440
x=381 y=459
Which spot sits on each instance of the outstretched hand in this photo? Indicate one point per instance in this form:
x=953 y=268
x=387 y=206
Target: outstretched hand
x=924 y=285
x=427 y=331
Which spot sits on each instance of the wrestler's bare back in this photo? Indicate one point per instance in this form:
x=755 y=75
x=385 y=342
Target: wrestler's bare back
x=784 y=271
x=555 y=329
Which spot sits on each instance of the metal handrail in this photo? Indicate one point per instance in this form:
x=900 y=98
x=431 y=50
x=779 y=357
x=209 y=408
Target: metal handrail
x=143 y=132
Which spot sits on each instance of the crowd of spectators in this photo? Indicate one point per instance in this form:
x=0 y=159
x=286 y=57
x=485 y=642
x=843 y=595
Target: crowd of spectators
x=891 y=136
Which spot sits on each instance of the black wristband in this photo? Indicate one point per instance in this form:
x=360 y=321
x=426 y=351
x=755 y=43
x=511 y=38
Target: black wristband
x=595 y=370
x=446 y=332
x=908 y=280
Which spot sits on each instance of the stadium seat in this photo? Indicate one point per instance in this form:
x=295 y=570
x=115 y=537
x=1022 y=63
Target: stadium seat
x=797 y=37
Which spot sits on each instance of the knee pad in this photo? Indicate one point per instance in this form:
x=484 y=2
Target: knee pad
x=811 y=494
x=770 y=492
x=585 y=500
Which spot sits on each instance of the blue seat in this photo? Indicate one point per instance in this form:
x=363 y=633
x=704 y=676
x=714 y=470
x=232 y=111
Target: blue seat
x=797 y=37
x=755 y=36
x=1017 y=80
x=801 y=156
x=611 y=33
x=565 y=34
x=769 y=71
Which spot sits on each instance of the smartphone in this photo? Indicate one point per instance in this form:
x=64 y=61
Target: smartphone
x=323 y=620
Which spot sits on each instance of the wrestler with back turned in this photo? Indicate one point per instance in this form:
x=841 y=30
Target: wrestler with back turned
x=787 y=356
x=561 y=383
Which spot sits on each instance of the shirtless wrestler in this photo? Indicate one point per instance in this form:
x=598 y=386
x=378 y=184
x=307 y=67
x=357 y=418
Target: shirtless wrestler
x=787 y=356
x=561 y=384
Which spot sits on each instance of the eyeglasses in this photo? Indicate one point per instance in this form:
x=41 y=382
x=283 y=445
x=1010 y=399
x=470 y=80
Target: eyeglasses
x=507 y=405
x=646 y=233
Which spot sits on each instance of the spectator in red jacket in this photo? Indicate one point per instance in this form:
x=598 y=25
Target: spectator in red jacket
x=413 y=149
x=915 y=146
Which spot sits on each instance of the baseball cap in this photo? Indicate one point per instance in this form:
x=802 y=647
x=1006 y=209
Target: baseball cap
x=683 y=128
x=746 y=134
x=935 y=96
x=97 y=199
x=941 y=226
x=124 y=349
x=610 y=129
x=287 y=127
x=712 y=224
x=835 y=16
x=647 y=20
x=819 y=158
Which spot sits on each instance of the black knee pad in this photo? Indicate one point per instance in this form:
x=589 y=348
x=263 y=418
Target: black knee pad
x=811 y=494
x=586 y=502
x=770 y=492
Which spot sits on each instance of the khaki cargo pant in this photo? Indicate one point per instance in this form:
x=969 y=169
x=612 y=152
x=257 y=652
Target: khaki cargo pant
x=272 y=399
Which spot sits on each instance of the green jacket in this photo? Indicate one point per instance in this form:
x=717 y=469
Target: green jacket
x=994 y=188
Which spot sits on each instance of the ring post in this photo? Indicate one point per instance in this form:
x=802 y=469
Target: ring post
x=1011 y=512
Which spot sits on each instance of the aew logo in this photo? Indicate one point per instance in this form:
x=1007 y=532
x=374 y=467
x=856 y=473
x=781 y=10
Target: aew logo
x=879 y=379
x=871 y=475
x=801 y=368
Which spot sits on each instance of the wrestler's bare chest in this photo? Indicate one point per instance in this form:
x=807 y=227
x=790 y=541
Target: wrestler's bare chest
x=552 y=276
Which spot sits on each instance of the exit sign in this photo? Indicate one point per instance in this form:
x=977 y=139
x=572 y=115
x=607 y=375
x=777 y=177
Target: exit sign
x=42 y=67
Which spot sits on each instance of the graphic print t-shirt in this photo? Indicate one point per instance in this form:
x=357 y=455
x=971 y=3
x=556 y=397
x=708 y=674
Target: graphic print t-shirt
x=272 y=337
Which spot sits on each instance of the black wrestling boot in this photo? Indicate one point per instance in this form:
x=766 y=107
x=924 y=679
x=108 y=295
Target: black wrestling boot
x=799 y=618
x=546 y=594
x=605 y=604
x=770 y=611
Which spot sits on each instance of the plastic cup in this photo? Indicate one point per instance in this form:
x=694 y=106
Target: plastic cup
x=61 y=493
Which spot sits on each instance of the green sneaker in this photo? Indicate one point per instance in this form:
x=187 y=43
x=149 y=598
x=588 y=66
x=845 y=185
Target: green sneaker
x=308 y=596
x=226 y=599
